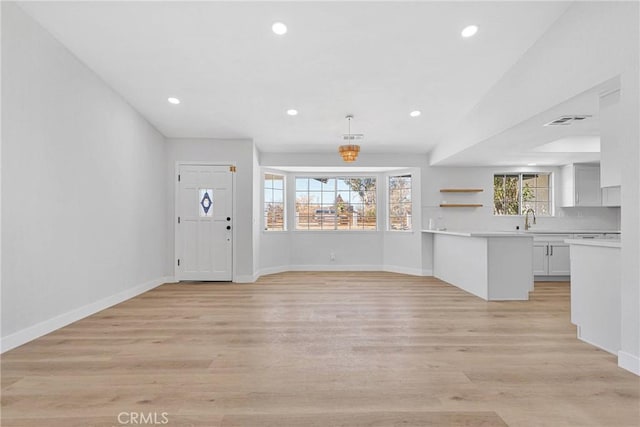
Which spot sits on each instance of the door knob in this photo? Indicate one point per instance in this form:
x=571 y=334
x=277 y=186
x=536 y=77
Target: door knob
x=228 y=218
x=228 y=227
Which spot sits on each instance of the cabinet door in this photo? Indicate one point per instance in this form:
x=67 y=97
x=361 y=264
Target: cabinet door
x=559 y=263
x=611 y=196
x=540 y=258
x=587 y=186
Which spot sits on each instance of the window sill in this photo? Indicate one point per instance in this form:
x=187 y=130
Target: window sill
x=336 y=231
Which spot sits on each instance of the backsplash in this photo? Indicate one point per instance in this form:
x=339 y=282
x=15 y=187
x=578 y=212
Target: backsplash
x=482 y=219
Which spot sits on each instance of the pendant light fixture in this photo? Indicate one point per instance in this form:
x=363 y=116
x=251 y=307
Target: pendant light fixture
x=349 y=152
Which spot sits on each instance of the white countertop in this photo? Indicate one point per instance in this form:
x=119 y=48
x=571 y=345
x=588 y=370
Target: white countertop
x=603 y=243
x=541 y=231
x=518 y=233
x=514 y=233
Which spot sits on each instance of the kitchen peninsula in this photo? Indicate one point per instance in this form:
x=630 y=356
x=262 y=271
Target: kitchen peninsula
x=595 y=291
x=493 y=265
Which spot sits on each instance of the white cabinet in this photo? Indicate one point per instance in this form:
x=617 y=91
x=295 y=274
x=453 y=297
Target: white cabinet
x=595 y=295
x=581 y=185
x=611 y=196
x=559 y=261
x=551 y=256
x=540 y=258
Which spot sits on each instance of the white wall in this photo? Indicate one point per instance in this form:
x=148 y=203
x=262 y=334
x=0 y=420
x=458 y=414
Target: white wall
x=629 y=356
x=238 y=152
x=481 y=219
x=365 y=250
x=83 y=200
x=257 y=211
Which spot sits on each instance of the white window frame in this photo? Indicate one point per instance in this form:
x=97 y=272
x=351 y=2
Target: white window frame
x=284 y=202
x=388 y=200
x=294 y=191
x=520 y=201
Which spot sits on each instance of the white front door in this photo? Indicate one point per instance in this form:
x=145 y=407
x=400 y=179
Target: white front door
x=204 y=224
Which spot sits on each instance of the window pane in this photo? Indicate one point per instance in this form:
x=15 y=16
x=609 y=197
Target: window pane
x=278 y=183
x=542 y=195
x=302 y=184
x=343 y=185
x=515 y=194
x=543 y=181
x=331 y=203
x=302 y=197
x=400 y=202
x=205 y=200
x=329 y=184
x=315 y=198
x=274 y=215
x=315 y=184
x=528 y=179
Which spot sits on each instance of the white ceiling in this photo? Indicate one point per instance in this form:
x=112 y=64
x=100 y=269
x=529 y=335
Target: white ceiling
x=572 y=144
x=533 y=142
x=236 y=79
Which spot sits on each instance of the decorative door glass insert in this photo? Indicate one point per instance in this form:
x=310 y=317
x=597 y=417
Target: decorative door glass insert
x=206 y=202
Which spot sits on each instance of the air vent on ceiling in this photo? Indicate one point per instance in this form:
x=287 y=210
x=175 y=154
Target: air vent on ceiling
x=353 y=137
x=567 y=120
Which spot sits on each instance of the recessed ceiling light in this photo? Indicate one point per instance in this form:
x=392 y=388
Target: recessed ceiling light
x=532 y=164
x=415 y=113
x=279 y=28
x=292 y=112
x=174 y=101
x=469 y=31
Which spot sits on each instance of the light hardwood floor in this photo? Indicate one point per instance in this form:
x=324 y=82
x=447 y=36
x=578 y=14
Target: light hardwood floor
x=321 y=349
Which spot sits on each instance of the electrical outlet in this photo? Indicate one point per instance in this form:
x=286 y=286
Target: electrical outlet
x=332 y=256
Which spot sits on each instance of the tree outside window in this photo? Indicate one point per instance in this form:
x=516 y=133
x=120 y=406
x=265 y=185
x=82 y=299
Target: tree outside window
x=274 y=218
x=514 y=194
x=400 y=202
x=336 y=203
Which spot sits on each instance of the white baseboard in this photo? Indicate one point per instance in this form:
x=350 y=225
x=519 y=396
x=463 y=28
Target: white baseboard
x=552 y=278
x=629 y=362
x=246 y=278
x=273 y=270
x=39 y=329
x=332 y=267
x=407 y=270
x=581 y=337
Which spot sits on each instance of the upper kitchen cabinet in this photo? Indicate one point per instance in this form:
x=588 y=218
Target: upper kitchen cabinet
x=610 y=150
x=611 y=196
x=581 y=185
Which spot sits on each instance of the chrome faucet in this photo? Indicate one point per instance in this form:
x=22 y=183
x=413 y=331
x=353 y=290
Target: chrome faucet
x=526 y=218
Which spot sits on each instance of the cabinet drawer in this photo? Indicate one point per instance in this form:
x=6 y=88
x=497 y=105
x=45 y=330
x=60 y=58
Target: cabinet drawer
x=551 y=237
x=588 y=236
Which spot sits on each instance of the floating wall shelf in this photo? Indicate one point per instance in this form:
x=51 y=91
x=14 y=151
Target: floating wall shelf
x=461 y=190
x=460 y=205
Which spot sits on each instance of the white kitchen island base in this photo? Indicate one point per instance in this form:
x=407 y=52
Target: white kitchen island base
x=494 y=266
x=595 y=291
